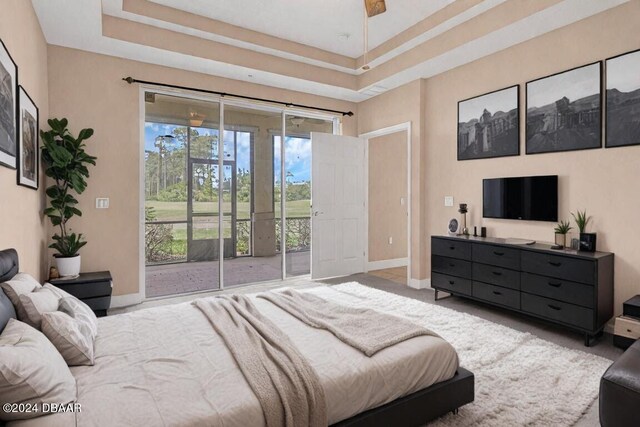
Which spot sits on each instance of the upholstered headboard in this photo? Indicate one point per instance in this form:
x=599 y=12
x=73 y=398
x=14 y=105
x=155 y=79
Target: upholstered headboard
x=8 y=269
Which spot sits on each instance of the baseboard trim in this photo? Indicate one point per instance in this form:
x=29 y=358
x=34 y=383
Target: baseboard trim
x=420 y=283
x=119 y=301
x=387 y=263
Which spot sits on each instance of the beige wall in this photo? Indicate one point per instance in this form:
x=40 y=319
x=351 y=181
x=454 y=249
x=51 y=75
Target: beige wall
x=22 y=225
x=604 y=181
x=88 y=90
x=401 y=105
x=388 y=197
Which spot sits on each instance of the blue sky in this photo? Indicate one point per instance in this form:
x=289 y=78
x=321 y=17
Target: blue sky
x=298 y=150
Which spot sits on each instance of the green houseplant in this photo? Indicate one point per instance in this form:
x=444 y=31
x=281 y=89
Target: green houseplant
x=561 y=230
x=587 y=240
x=66 y=163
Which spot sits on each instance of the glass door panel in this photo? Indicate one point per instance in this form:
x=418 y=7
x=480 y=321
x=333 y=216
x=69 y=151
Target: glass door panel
x=181 y=149
x=250 y=218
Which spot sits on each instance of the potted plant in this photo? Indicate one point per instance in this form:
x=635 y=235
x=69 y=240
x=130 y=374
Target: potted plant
x=66 y=164
x=561 y=230
x=587 y=240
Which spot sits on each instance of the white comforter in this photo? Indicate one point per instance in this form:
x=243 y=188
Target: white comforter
x=167 y=366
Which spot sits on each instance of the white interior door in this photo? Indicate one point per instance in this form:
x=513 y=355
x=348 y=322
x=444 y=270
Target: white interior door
x=337 y=197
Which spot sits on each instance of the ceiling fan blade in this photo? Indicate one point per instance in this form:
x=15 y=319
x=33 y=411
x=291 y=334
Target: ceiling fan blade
x=374 y=7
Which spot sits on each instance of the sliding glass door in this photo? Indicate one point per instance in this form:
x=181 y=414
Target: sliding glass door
x=223 y=215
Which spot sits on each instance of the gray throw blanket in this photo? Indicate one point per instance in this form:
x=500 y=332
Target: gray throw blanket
x=364 y=329
x=287 y=387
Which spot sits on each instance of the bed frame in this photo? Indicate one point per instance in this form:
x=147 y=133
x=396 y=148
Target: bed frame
x=413 y=410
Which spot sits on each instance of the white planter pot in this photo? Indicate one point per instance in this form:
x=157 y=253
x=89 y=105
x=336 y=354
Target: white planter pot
x=68 y=266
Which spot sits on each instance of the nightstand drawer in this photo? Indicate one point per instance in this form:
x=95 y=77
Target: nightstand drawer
x=496 y=276
x=451 y=248
x=496 y=255
x=575 y=270
x=558 y=311
x=563 y=290
x=452 y=266
x=100 y=303
x=627 y=327
x=87 y=290
x=451 y=283
x=497 y=295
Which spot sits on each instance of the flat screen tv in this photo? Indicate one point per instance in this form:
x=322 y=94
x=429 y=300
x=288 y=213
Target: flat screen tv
x=532 y=198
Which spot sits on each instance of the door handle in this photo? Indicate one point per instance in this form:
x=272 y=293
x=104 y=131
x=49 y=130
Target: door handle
x=316 y=213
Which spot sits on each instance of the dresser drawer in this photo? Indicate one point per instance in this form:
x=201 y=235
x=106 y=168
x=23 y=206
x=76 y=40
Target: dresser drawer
x=627 y=327
x=563 y=290
x=497 y=295
x=451 y=248
x=559 y=311
x=496 y=276
x=452 y=266
x=450 y=283
x=496 y=255
x=575 y=270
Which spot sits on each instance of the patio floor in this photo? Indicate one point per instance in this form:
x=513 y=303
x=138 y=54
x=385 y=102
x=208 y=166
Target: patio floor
x=172 y=279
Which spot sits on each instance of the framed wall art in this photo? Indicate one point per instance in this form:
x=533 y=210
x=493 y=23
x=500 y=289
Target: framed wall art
x=488 y=125
x=28 y=141
x=8 y=108
x=564 y=111
x=623 y=100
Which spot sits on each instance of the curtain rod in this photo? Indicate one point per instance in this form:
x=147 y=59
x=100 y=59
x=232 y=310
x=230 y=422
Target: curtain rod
x=131 y=80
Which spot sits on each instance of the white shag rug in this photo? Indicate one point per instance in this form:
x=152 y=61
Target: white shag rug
x=520 y=379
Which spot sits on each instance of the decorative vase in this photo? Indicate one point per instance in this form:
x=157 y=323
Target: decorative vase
x=68 y=266
x=560 y=239
x=588 y=242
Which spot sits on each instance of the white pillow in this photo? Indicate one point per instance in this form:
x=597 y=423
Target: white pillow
x=72 y=337
x=31 y=371
x=40 y=301
x=21 y=283
x=80 y=311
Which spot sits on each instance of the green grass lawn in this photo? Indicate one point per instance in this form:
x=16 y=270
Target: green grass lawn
x=177 y=211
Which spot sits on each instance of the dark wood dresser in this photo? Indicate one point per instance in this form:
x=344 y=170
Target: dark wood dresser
x=94 y=289
x=567 y=287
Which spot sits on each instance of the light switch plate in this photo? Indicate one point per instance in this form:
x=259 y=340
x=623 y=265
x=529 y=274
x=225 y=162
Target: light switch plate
x=102 y=203
x=448 y=201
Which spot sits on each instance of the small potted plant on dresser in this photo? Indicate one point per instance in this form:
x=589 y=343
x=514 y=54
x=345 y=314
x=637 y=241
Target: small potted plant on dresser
x=587 y=240
x=66 y=164
x=561 y=230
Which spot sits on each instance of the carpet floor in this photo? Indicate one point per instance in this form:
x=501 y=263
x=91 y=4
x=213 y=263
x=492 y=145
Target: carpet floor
x=520 y=378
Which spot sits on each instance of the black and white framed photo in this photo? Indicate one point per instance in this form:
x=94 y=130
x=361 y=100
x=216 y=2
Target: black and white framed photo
x=564 y=111
x=488 y=125
x=8 y=108
x=623 y=100
x=28 y=147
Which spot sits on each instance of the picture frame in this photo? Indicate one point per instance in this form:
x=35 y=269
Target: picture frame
x=489 y=125
x=8 y=108
x=28 y=141
x=564 y=110
x=622 y=100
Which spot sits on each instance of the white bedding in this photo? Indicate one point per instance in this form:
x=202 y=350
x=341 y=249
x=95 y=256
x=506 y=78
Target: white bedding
x=167 y=366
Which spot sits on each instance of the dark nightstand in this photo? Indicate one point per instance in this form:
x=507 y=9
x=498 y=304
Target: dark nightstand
x=94 y=289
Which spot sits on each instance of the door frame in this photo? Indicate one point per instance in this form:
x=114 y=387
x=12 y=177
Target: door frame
x=402 y=127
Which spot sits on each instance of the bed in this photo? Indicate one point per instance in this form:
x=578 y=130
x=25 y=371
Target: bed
x=167 y=366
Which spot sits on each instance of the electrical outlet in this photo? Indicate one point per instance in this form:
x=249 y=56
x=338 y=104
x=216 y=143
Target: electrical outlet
x=102 y=203
x=391 y=240
x=448 y=201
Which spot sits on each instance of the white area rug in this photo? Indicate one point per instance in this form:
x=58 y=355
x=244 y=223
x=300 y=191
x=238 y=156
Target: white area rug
x=520 y=380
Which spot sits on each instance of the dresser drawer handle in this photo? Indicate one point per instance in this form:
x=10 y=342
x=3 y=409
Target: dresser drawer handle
x=554 y=307
x=452 y=247
x=555 y=264
x=451 y=282
x=497 y=293
x=496 y=273
x=555 y=285
x=629 y=330
x=498 y=253
x=451 y=264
